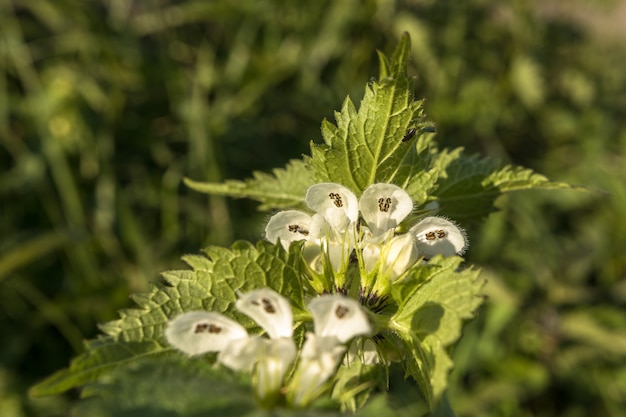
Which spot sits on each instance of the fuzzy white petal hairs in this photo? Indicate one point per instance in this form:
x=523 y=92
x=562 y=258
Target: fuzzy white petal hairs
x=199 y=332
x=384 y=206
x=439 y=236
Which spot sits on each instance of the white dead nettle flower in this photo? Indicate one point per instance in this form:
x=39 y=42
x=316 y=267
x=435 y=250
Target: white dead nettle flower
x=243 y=354
x=278 y=354
x=273 y=313
x=339 y=316
x=383 y=207
x=319 y=360
x=270 y=310
x=199 y=332
x=329 y=232
x=336 y=203
x=393 y=258
x=326 y=241
x=288 y=226
x=439 y=236
x=337 y=319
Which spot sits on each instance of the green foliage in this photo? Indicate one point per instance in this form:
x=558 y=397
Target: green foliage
x=365 y=147
x=432 y=303
x=373 y=145
x=286 y=188
x=211 y=285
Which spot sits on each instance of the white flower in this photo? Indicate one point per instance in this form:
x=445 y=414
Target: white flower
x=199 y=332
x=338 y=316
x=242 y=354
x=393 y=257
x=319 y=360
x=383 y=207
x=336 y=203
x=288 y=226
x=439 y=236
x=277 y=356
x=270 y=310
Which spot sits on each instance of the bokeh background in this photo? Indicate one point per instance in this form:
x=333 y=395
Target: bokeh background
x=105 y=105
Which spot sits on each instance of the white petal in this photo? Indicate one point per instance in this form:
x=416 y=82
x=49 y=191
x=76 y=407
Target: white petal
x=270 y=310
x=243 y=354
x=338 y=316
x=371 y=255
x=199 y=332
x=439 y=236
x=319 y=360
x=273 y=366
x=335 y=202
x=288 y=226
x=384 y=206
x=399 y=254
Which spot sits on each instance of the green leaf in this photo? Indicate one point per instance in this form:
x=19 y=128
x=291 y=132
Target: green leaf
x=211 y=285
x=175 y=385
x=180 y=386
x=285 y=188
x=367 y=146
x=469 y=186
x=433 y=300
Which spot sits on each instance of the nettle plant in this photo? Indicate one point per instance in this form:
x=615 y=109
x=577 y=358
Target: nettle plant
x=358 y=278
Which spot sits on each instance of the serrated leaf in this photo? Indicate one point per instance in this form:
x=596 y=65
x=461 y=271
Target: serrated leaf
x=211 y=286
x=284 y=188
x=433 y=301
x=370 y=145
x=468 y=188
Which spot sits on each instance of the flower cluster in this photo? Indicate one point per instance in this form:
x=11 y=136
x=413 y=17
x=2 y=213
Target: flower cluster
x=346 y=237
x=334 y=235
x=337 y=319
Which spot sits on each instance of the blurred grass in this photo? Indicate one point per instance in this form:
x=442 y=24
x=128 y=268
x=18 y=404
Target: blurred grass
x=106 y=105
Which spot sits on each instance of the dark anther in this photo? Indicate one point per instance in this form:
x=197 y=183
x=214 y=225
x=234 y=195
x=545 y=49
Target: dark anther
x=341 y=311
x=268 y=306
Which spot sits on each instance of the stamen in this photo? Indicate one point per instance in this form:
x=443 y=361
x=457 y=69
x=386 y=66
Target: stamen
x=336 y=199
x=437 y=234
x=294 y=228
x=268 y=306
x=384 y=204
x=341 y=311
x=207 y=328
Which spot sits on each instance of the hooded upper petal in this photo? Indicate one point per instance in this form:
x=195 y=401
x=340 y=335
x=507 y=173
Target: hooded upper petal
x=199 y=332
x=338 y=316
x=288 y=226
x=439 y=236
x=384 y=206
x=336 y=203
x=269 y=309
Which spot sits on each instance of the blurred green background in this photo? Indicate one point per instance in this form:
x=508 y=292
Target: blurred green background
x=105 y=105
